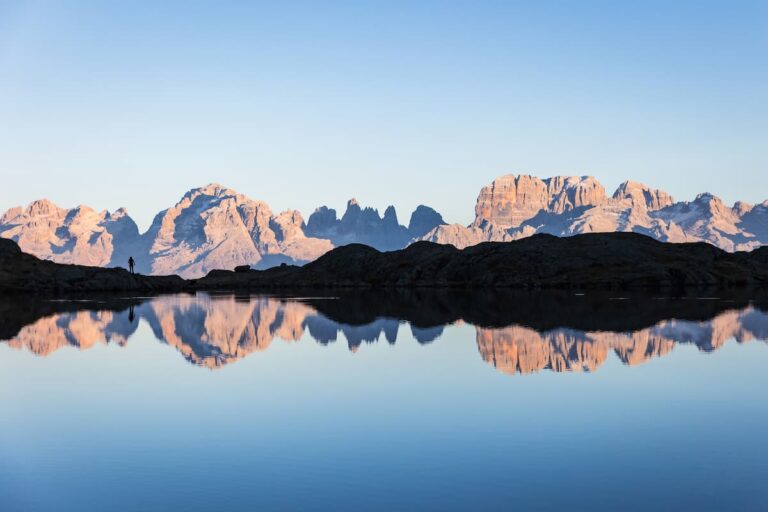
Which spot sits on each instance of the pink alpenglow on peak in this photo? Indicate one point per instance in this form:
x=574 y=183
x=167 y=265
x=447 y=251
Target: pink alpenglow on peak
x=211 y=227
x=511 y=199
x=79 y=236
x=516 y=206
x=215 y=227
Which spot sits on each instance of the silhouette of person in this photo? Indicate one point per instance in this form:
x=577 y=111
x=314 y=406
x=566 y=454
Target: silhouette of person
x=131 y=264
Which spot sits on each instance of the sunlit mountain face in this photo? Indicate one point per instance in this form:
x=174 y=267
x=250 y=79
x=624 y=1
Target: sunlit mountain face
x=215 y=227
x=214 y=331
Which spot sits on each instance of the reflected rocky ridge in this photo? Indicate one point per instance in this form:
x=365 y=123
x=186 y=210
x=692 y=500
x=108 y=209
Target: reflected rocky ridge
x=515 y=333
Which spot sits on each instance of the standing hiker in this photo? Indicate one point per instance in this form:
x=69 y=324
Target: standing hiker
x=131 y=264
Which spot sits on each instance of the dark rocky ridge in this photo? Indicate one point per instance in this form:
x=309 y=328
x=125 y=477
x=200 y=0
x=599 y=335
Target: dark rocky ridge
x=592 y=261
x=24 y=273
x=600 y=260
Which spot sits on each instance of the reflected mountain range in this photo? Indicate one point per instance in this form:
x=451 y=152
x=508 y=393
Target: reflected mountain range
x=515 y=333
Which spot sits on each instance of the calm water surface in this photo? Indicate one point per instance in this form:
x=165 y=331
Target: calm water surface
x=427 y=402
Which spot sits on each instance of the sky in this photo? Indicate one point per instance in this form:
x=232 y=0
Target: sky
x=303 y=104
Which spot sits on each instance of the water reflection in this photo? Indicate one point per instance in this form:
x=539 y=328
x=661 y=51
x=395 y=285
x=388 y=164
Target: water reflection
x=518 y=349
x=514 y=333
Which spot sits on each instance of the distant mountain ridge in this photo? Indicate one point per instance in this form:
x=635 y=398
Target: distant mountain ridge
x=214 y=227
x=211 y=227
x=79 y=235
x=517 y=206
x=365 y=226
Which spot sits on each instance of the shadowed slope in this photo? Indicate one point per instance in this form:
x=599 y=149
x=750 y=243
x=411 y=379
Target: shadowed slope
x=608 y=260
x=20 y=272
x=605 y=260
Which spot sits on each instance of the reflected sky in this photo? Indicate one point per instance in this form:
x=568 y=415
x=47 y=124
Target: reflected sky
x=243 y=403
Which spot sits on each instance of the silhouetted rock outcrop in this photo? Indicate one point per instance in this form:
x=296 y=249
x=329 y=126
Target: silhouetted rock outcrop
x=605 y=260
x=20 y=272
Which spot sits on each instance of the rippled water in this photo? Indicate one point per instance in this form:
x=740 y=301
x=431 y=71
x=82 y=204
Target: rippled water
x=384 y=402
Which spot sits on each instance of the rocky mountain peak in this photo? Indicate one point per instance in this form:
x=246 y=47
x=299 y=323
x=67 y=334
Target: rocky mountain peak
x=11 y=214
x=117 y=214
x=215 y=189
x=322 y=220
x=213 y=192
x=513 y=207
x=390 y=216
x=423 y=220
x=742 y=207
x=43 y=207
x=512 y=199
x=288 y=225
x=366 y=226
x=214 y=227
x=642 y=195
x=704 y=197
x=78 y=235
x=711 y=203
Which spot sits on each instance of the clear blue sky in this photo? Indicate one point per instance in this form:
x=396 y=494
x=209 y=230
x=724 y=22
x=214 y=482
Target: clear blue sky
x=307 y=103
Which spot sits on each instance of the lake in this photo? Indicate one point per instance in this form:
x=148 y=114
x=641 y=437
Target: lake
x=401 y=401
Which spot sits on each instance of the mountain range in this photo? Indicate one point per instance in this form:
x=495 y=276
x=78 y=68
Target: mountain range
x=214 y=227
x=211 y=227
x=514 y=207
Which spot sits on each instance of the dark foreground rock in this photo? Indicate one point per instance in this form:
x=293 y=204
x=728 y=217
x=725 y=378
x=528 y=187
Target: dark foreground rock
x=604 y=260
x=21 y=272
x=592 y=261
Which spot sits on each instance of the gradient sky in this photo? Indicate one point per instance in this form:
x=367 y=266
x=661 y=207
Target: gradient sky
x=306 y=103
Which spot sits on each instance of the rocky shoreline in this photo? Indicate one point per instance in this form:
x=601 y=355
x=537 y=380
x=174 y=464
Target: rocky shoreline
x=591 y=261
x=24 y=273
